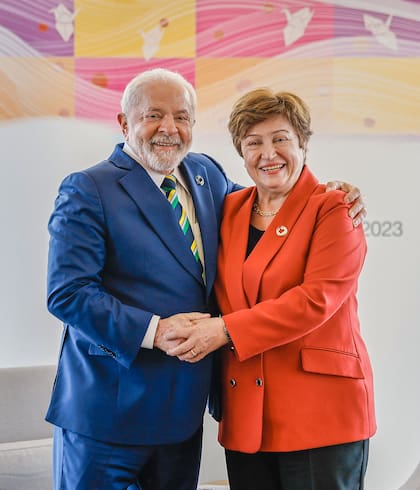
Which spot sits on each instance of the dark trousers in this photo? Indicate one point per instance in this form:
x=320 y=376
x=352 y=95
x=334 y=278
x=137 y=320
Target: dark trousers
x=340 y=467
x=82 y=463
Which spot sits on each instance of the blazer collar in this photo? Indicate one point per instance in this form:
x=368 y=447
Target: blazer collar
x=121 y=159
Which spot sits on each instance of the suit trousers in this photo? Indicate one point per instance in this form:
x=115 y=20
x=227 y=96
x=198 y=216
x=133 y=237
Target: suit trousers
x=82 y=463
x=339 y=467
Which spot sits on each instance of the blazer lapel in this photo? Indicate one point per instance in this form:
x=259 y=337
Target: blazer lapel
x=157 y=212
x=234 y=245
x=196 y=177
x=276 y=234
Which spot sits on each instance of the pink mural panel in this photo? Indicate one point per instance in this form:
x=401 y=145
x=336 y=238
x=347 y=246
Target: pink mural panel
x=257 y=28
x=100 y=82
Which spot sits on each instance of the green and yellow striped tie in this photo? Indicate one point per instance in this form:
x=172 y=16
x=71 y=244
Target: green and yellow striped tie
x=169 y=186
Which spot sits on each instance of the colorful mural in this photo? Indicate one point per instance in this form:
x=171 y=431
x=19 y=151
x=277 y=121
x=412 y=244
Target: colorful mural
x=356 y=63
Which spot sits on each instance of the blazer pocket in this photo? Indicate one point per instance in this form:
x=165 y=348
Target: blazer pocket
x=335 y=363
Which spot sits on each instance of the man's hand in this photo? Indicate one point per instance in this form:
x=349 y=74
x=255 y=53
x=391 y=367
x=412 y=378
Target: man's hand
x=358 y=210
x=206 y=336
x=179 y=323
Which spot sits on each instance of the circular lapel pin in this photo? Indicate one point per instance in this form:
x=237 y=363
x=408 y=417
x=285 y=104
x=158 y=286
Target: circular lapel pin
x=281 y=231
x=199 y=180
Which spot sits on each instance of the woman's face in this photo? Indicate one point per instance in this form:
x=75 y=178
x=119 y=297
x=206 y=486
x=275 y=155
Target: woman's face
x=273 y=157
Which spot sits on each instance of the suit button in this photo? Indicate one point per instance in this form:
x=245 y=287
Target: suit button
x=232 y=382
x=259 y=382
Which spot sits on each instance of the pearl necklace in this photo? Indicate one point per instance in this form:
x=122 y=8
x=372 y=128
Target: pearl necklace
x=264 y=214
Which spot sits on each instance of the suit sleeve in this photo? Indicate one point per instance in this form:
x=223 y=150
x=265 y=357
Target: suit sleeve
x=75 y=291
x=333 y=264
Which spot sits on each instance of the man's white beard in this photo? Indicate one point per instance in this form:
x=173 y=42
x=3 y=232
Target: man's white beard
x=162 y=161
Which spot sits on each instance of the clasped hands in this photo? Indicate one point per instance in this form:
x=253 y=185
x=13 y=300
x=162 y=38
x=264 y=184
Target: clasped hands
x=190 y=336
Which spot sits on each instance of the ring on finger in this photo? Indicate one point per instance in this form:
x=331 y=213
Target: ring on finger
x=193 y=353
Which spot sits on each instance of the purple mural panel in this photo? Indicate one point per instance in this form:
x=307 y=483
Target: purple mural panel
x=377 y=33
x=46 y=26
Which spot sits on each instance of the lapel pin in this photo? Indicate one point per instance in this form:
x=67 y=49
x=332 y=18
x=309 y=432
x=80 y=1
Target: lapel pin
x=281 y=231
x=199 y=180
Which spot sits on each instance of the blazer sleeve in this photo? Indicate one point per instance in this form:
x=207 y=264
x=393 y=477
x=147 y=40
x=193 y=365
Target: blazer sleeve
x=332 y=266
x=75 y=291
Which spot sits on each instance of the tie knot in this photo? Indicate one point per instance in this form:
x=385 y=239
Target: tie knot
x=169 y=183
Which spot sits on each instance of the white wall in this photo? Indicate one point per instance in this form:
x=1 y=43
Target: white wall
x=38 y=153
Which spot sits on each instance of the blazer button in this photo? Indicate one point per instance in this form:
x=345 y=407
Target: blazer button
x=259 y=382
x=232 y=382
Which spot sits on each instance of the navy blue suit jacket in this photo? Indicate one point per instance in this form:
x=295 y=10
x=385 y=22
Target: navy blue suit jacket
x=116 y=257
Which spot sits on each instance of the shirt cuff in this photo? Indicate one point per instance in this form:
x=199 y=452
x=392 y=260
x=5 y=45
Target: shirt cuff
x=149 y=338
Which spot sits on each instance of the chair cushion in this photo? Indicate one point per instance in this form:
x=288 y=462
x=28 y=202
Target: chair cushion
x=25 y=394
x=26 y=464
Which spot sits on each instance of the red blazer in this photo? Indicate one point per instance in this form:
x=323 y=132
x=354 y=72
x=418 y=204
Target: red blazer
x=299 y=374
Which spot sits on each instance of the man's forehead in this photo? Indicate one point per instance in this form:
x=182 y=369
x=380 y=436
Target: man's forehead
x=165 y=92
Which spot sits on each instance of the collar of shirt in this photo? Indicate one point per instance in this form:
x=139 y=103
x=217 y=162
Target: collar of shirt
x=155 y=176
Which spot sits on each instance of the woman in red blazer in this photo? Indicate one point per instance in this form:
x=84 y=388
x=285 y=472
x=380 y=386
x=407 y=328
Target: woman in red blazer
x=297 y=391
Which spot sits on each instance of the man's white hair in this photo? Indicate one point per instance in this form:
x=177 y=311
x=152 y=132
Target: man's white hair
x=133 y=91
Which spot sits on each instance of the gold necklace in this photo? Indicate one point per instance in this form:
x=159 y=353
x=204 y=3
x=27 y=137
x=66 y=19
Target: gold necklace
x=262 y=213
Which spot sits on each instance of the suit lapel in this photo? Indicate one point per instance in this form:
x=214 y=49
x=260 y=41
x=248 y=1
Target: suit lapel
x=157 y=212
x=276 y=235
x=196 y=178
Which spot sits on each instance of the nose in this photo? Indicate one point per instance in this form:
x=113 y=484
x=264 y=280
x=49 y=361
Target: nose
x=167 y=124
x=268 y=150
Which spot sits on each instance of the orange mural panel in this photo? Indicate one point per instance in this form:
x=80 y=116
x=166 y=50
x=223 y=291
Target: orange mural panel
x=220 y=82
x=36 y=87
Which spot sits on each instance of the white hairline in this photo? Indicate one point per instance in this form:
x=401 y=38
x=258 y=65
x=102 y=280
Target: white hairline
x=133 y=91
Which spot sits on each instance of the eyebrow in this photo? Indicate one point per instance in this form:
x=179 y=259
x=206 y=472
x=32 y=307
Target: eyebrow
x=159 y=109
x=272 y=134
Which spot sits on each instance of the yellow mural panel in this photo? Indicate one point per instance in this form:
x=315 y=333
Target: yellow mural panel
x=376 y=95
x=158 y=29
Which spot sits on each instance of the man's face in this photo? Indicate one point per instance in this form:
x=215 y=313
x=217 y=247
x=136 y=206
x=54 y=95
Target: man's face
x=159 y=129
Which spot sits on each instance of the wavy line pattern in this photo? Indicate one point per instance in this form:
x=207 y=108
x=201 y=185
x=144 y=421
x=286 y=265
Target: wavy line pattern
x=74 y=57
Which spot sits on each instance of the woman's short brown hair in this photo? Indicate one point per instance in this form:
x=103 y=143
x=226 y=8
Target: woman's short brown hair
x=259 y=105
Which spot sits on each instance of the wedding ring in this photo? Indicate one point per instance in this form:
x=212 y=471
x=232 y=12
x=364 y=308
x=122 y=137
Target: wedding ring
x=193 y=354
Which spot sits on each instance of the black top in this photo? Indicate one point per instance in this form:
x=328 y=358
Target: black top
x=254 y=235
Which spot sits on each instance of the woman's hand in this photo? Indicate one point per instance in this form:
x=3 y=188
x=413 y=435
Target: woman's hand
x=172 y=323
x=353 y=195
x=200 y=338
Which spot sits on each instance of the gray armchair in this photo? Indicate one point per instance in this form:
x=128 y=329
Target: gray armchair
x=413 y=483
x=25 y=438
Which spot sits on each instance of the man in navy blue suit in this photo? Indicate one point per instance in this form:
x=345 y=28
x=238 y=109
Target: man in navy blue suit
x=121 y=272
